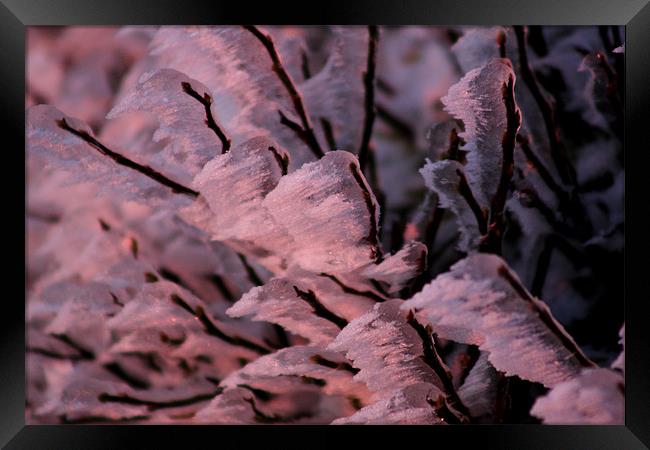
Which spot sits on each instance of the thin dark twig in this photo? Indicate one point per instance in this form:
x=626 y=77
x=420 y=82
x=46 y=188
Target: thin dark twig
x=213 y=330
x=321 y=361
x=541 y=269
x=83 y=352
x=206 y=101
x=126 y=162
x=501 y=42
x=117 y=370
x=432 y=358
x=541 y=169
x=546 y=317
x=395 y=122
x=153 y=405
x=280 y=71
x=253 y=276
x=373 y=235
x=369 y=98
x=44 y=217
x=558 y=152
x=465 y=190
x=326 y=125
x=431 y=227
x=328 y=131
x=304 y=65
x=55 y=355
x=551 y=243
x=319 y=309
x=350 y=290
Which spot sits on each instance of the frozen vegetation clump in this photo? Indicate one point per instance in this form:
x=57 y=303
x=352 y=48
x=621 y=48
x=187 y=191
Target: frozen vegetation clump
x=325 y=225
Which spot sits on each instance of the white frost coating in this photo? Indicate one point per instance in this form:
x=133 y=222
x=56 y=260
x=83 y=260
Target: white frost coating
x=475 y=303
x=407 y=406
x=233 y=186
x=231 y=407
x=152 y=308
x=75 y=395
x=189 y=142
x=385 y=348
x=619 y=363
x=318 y=216
x=83 y=317
x=476 y=47
x=43 y=307
x=479 y=391
x=595 y=397
x=442 y=178
x=398 y=269
x=224 y=358
x=477 y=100
x=336 y=93
x=299 y=361
x=63 y=150
x=236 y=67
x=277 y=302
x=325 y=208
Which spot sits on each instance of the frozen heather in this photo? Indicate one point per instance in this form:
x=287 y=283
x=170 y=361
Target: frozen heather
x=407 y=406
x=283 y=302
x=324 y=225
x=595 y=397
x=236 y=68
x=336 y=92
x=383 y=367
x=59 y=148
x=477 y=46
x=166 y=95
x=479 y=389
x=399 y=269
x=297 y=362
x=481 y=301
x=444 y=178
x=478 y=101
x=330 y=212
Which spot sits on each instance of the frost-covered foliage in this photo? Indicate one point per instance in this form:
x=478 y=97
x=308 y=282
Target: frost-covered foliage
x=325 y=225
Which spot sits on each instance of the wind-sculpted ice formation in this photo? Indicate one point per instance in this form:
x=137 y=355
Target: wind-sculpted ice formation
x=481 y=301
x=478 y=100
x=594 y=397
x=226 y=225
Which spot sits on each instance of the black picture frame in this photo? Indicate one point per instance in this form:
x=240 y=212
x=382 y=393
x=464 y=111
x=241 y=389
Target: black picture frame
x=16 y=15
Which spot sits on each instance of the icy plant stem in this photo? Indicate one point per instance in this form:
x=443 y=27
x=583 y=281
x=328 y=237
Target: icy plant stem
x=211 y=329
x=154 y=405
x=558 y=152
x=126 y=162
x=369 y=99
x=547 y=318
x=206 y=101
x=492 y=241
x=541 y=168
x=307 y=131
x=433 y=360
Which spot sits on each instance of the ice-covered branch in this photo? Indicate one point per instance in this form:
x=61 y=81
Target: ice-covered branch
x=280 y=71
x=126 y=162
x=206 y=101
x=369 y=99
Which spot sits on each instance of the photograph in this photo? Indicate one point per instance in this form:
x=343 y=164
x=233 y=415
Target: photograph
x=325 y=224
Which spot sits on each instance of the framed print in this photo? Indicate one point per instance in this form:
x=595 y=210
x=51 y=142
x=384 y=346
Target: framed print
x=406 y=217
